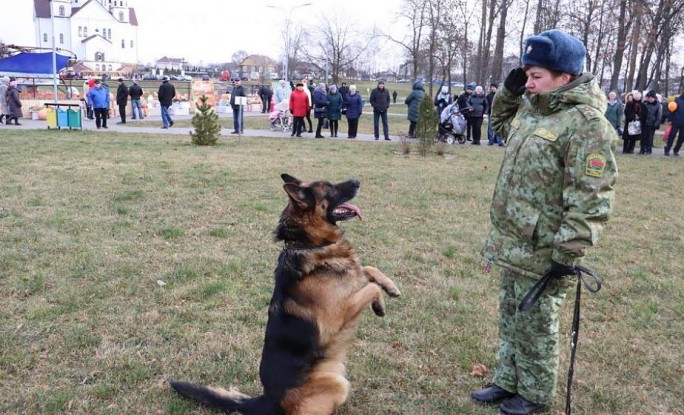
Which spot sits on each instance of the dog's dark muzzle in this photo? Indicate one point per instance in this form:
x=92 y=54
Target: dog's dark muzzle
x=343 y=192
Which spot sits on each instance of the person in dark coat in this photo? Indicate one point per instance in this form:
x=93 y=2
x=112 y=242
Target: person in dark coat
x=677 y=120
x=309 y=90
x=334 y=109
x=394 y=97
x=166 y=94
x=122 y=100
x=238 y=116
x=413 y=101
x=136 y=92
x=464 y=107
x=492 y=137
x=634 y=111
x=13 y=104
x=380 y=101
x=266 y=94
x=654 y=112
x=478 y=104
x=320 y=101
x=353 y=107
x=344 y=89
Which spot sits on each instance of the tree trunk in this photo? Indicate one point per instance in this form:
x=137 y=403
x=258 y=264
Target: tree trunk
x=497 y=61
x=623 y=28
x=636 y=40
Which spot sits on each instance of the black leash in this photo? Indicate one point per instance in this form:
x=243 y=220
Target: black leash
x=536 y=291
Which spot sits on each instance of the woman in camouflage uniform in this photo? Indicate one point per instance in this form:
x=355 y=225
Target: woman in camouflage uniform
x=552 y=197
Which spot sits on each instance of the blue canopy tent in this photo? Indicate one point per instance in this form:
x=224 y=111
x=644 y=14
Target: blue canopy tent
x=32 y=64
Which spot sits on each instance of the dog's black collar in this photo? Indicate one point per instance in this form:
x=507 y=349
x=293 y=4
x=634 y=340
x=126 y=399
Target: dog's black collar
x=302 y=246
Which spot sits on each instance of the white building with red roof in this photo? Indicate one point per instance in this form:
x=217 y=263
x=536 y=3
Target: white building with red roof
x=102 y=33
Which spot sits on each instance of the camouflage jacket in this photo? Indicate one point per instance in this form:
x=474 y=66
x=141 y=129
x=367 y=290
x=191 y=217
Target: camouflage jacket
x=554 y=191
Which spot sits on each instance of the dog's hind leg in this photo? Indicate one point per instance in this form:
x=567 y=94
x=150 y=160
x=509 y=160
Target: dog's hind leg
x=322 y=394
x=375 y=275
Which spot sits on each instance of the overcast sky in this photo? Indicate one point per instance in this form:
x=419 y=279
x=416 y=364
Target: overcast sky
x=212 y=30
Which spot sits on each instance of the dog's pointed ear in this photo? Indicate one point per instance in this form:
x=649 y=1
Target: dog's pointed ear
x=299 y=195
x=289 y=179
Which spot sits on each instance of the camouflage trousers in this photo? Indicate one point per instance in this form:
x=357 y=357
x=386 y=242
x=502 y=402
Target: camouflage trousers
x=528 y=358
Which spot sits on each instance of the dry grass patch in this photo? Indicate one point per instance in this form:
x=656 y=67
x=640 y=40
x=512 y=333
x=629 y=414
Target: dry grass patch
x=89 y=224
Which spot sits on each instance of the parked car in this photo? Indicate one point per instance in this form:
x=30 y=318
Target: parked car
x=206 y=78
x=151 y=77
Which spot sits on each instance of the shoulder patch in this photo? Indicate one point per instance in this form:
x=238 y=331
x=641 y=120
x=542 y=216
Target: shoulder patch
x=545 y=134
x=596 y=163
x=589 y=113
x=515 y=123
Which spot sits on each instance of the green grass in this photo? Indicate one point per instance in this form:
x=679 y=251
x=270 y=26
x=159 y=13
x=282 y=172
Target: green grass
x=88 y=226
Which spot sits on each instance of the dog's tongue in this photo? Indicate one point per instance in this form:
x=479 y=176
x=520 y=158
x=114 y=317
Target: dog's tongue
x=352 y=208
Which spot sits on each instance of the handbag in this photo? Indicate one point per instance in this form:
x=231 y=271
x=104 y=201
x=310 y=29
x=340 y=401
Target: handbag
x=634 y=127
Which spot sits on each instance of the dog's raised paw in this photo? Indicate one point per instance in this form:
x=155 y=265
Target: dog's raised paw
x=393 y=291
x=378 y=308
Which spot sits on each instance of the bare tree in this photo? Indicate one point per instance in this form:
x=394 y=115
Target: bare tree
x=497 y=58
x=623 y=26
x=657 y=40
x=336 y=45
x=548 y=15
x=415 y=11
x=238 y=56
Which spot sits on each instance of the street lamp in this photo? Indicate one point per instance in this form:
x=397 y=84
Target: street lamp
x=54 y=52
x=288 y=22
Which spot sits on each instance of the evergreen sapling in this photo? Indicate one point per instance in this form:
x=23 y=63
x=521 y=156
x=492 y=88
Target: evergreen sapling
x=205 y=121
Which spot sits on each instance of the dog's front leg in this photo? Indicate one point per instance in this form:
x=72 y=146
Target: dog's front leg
x=369 y=294
x=375 y=275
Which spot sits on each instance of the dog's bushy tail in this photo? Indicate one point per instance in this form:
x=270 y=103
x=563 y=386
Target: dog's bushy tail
x=227 y=400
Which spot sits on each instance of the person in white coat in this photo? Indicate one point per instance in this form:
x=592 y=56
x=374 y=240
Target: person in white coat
x=4 y=83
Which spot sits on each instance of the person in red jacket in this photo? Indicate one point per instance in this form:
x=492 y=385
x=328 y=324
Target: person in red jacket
x=299 y=107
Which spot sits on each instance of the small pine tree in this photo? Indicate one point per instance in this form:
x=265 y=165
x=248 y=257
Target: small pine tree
x=426 y=128
x=207 y=127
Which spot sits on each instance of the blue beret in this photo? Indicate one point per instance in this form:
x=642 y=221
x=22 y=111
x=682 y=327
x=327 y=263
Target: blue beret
x=556 y=50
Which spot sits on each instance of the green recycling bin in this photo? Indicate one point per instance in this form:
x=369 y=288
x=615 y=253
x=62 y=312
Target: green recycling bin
x=74 y=117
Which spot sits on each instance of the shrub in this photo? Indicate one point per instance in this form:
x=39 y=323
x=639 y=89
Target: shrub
x=426 y=128
x=207 y=127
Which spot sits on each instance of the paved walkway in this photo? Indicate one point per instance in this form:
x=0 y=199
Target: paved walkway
x=130 y=127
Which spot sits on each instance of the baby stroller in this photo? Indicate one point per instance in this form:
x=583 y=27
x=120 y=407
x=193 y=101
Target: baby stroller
x=280 y=117
x=452 y=125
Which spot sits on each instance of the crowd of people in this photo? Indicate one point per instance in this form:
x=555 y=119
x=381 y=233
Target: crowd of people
x=638 y=119
x=635 y=119
x=330 y=103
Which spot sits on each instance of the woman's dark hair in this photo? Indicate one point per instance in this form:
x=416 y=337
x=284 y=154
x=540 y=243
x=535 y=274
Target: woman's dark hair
x=555 y=74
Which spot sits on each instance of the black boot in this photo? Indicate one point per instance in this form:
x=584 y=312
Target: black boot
x=491 y=395
x=16 y=121
x=521 y=406
x=1 y=117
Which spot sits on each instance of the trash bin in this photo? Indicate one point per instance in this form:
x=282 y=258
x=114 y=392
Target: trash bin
x=62 y=118
x=51 y=118
x=74 y=117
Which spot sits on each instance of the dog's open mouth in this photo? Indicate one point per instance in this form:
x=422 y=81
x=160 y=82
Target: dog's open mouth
x=346 y=211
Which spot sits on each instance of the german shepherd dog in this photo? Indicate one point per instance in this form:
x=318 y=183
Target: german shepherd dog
x=320 y=291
